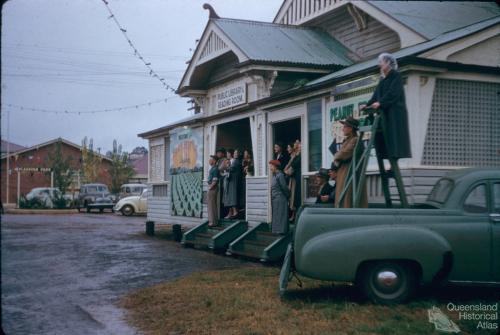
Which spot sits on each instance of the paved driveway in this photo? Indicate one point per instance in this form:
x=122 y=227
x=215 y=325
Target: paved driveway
x=64 y=274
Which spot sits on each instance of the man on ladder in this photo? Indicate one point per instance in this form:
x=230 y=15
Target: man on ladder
x=390 y=136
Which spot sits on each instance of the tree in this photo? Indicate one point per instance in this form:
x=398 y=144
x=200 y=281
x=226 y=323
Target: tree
x=60 y=166
x=120 y=170
x=90 y=161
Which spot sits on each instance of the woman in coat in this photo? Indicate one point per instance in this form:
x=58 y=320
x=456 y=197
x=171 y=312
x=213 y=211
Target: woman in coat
x=232 y=184
x=294 y=173
x=279 y=199
x=389 y=97
x=342 y=161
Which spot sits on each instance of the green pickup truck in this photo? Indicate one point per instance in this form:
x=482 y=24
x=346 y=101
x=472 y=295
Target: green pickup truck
x=387 y=252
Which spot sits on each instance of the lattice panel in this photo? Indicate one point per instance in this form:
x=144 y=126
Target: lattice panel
x=156 y=161
x=464 y=124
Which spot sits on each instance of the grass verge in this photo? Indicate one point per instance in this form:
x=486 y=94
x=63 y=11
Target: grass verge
x=246 y=301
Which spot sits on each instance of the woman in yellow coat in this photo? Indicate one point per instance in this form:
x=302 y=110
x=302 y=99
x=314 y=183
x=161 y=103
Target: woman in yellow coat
x=343 y=159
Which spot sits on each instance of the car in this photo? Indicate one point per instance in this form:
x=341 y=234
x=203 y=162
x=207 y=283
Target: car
x=127 y=190
x=94 y=196
x=452 y=238
x=135 y=204
x=47 y=196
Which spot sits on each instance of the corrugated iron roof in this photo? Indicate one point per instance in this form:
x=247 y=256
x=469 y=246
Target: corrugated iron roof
x=433 y=18
x=269 y=42
x=412 y=50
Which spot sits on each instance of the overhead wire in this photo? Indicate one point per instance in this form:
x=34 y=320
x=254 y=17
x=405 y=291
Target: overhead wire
x=80 y=112
x=152 y=72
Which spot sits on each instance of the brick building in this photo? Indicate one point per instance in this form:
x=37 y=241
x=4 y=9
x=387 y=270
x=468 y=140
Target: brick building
x=30 y=167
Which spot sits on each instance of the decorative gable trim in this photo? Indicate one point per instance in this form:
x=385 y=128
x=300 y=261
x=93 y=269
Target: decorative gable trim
x=214 y=47
x=213 y=44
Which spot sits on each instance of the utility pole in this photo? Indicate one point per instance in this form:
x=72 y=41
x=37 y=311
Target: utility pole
x=8 y=159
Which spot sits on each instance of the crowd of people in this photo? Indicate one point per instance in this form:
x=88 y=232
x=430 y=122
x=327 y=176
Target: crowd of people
x=226 y=183
x=285 y=167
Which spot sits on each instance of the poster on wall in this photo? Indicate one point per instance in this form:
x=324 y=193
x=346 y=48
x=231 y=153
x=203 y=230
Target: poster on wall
x=186 y=172
x=337 y=111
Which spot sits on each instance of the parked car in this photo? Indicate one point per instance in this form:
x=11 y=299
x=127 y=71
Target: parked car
x=135 y=204
x=127 y=190
x=94 y=196
x=454 y=237
x=47 y=196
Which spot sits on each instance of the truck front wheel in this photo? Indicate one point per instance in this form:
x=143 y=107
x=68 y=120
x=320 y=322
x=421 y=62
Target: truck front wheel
x=387 y=282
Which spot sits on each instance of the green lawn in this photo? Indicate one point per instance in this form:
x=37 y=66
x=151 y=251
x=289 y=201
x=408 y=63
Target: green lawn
x=246 y=301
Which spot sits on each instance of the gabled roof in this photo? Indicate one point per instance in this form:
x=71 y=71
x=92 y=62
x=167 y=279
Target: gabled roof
x=263 y=43
x=433 y=18
x=44 y=144
x=412 y=50
x=269 y=42
x=12 y=147
x=140 y=165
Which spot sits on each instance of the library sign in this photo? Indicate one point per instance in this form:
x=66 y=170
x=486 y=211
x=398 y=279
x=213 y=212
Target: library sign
x=231 y=96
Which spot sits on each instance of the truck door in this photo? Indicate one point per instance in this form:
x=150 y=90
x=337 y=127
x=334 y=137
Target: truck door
x=471 y=241
x=495 y=231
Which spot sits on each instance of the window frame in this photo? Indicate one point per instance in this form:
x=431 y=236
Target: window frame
x=486 y=184
x=320 y=102
x=493 y=197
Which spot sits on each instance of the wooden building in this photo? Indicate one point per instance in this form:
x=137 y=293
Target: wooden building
x=255 y=83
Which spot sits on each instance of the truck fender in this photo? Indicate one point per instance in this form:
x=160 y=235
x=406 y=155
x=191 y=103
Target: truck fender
x=336 y=255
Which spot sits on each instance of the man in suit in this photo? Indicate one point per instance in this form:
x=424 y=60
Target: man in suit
x=281 y=155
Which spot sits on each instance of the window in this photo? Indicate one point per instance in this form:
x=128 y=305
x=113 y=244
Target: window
x=441 y=191
x=160 y=190
x=496 y=197
x=476 y=200
x=314 y=134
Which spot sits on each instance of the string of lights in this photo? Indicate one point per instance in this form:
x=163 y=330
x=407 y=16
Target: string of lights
x=79 y=112
x=152 y=72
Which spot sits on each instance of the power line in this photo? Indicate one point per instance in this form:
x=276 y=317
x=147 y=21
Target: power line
x=83 y=51
x=136 y=52
x=79 y=112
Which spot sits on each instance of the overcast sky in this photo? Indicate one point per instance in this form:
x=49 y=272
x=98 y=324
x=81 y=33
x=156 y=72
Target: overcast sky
x=67 y=55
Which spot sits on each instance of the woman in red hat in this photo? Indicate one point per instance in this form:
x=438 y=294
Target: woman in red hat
x=279 y=198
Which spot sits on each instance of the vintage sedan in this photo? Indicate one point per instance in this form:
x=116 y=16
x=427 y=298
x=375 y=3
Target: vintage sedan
x=135 y=204
x=454 y=237
x=94 y=196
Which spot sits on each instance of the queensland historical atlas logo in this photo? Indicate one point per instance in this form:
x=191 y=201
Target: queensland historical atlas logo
x=486 y=316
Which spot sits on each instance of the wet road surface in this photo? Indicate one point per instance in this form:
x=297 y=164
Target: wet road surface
x=65 y=274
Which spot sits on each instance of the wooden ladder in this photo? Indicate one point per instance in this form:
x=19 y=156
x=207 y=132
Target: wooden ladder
x=356 y=175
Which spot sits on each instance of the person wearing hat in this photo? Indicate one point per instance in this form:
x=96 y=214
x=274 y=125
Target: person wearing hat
x=279 y=199
x=342 y=160
x=325 y=189
x=213 y=192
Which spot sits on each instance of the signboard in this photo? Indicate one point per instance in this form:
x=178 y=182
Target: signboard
x=186 y=171
x=231 y=96
x=340 y=110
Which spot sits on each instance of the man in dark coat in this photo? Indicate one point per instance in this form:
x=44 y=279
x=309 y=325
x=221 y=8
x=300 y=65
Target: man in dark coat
x=281 y=155
x=389 y=97
x=325 y=189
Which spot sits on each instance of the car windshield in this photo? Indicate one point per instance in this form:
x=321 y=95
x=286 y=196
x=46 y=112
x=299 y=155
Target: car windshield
x=441 y=191
x=102 y=188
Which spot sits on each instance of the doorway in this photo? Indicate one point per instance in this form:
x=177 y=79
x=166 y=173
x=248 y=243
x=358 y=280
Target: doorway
x=235 y=135
x=287 y=132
